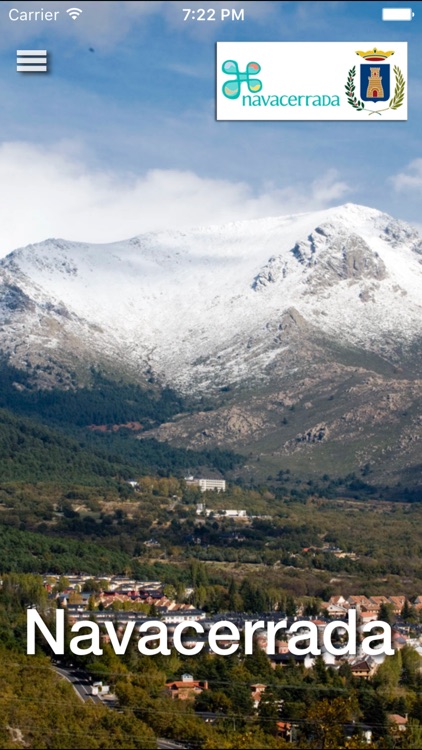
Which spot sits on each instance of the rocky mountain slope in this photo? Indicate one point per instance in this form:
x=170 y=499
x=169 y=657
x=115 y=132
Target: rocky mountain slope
x=302 y=331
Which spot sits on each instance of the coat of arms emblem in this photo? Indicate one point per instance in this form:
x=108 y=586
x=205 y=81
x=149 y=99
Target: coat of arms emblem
x=375 y=83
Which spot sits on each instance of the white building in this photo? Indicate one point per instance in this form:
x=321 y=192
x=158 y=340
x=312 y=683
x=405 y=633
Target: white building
x=183 y=615
x=212 y=484
x=207 y=484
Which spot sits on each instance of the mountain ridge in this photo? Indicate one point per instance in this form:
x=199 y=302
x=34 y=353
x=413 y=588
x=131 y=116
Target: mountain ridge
x=297 y=340
x=214 y=306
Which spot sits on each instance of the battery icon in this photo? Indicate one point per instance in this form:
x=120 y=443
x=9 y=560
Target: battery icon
x=397 y=14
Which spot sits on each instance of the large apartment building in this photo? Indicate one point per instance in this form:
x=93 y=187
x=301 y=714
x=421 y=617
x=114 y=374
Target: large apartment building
x=207 y=484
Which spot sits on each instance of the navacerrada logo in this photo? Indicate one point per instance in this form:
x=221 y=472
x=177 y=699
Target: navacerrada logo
x=232 y=89
x=311 y=81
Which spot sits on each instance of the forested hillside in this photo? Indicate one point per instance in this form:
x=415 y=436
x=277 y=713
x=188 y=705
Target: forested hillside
x=104 y=402
x=30 y=450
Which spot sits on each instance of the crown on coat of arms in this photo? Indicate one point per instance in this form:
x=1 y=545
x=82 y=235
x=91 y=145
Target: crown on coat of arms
x=374 y=55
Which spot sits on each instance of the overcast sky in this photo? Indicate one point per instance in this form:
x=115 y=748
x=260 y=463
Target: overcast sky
x=120 y=137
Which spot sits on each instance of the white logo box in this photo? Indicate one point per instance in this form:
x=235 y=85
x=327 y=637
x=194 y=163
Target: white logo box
x=297 y=72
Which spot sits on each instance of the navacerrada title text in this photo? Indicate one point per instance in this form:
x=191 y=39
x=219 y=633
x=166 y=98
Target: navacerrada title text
x=223 y=638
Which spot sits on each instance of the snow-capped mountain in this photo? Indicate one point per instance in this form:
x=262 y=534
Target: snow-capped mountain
x=211 y=306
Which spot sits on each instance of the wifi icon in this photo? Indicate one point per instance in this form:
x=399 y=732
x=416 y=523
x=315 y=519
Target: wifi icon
x=74 y=13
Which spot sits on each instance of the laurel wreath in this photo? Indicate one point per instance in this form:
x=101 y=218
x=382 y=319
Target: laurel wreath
x=350 y=91
x=398 y=97
x=394 y=103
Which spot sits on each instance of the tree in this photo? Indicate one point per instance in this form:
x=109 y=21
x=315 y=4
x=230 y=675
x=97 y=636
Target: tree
x=213 y=700
x=92 y=586
x=413 y=738
x=406 y=610
x=411 y=668
x=253 y=597
x=345 y=671
x=200 y=596
x=232 y=592
x=258 y=664
x=291 y=608
x=22 y=590
x=326 y=720
x=199 y=574
x=62 y=584
x=312 y=607
x=268 y=712
x=169 y=591
x=320 y=670
x=388 y=674
x=386 y=613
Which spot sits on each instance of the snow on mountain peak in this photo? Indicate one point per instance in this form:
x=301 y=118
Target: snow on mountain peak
x=185 y=305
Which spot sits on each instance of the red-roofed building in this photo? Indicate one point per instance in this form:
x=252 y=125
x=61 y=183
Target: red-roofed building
x=186 y=688
x=369 y=615
x=399 y=722
x=376 y=601
x=362 y=602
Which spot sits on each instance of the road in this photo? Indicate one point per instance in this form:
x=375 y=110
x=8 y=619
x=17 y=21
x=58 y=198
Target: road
x=82 y=686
